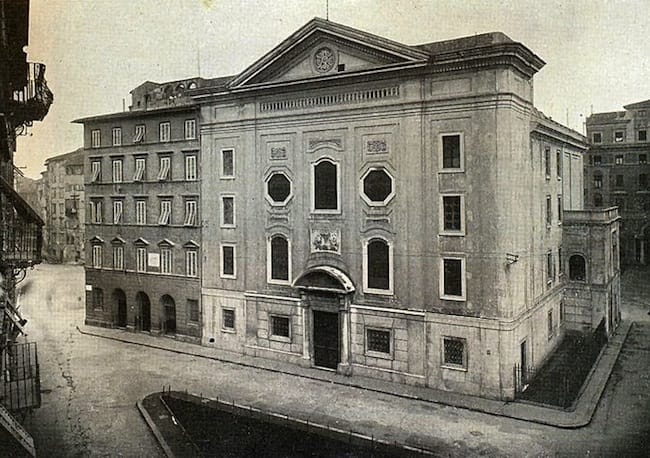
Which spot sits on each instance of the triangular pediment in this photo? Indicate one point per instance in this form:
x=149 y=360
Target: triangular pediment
x=323 y=49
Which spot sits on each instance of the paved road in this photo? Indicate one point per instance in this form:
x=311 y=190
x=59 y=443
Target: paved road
x=91 y=386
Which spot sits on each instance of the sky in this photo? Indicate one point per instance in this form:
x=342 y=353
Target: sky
x=96 y=51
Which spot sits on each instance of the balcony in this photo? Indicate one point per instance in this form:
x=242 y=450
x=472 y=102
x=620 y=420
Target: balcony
x=21 y=230
x=32 y=102
x=594 y=215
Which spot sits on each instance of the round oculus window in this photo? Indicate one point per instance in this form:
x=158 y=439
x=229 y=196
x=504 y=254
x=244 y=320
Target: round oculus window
x=324 y=60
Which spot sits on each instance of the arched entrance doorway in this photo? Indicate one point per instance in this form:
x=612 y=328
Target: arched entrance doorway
x=144 y=311
x=169 y=314
x=325 y=291
x=119 y=302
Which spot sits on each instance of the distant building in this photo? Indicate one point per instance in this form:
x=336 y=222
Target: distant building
x=617 y=173
x=143 y=224
x=29 y=190
x=63 y=207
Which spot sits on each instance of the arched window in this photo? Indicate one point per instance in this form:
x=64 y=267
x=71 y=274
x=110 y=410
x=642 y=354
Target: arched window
x=577 y=268
x=378 y=266
x=279 y=263
x=326 y=192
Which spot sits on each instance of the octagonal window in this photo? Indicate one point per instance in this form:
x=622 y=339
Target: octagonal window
x=278 y=188
x=377 y=186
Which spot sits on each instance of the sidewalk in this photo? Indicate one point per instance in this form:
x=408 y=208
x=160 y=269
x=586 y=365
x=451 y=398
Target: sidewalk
x=576 y=418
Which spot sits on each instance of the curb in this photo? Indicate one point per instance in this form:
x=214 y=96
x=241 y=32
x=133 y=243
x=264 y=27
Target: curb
x=154 y=429
x=580 y=419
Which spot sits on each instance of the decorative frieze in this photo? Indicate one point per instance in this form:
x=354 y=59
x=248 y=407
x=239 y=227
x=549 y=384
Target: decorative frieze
x=314 y=142
x=278 y=152
x=341 y=98
x=376 y=146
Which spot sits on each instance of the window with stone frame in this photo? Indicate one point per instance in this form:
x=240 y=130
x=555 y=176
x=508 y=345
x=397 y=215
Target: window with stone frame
x=326 y=186
x=117 y=136
x=96 y=171
x=378 y=341
x=228 y=319
x=279 y=259
x=97 y=255
x=164 y=131
x=228 y=163
x=118 y=257
x=191 y=207
x=227 y=211
x=140 y=212
x=559 y=209
x=228 y=266
x=190 y=129
x=193 y=310
x=453 y=279
x=191 y=263
x=190 y=167
x=454 y=352
x=452 y=151
x=166 y=260
x=550 y=271
x=547 y=162
x=141 y=259
x=452 y=215
x=280 y=326
x=165 y=212
x=164 y=170
x=549 y=211
x=377 y=186
x=278 y=188
x=140 y=169
x=558 y=164
x=378 y=266
x=118 y=211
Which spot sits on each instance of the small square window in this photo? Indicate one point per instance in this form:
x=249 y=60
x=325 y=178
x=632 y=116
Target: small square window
x=228 y=319
x=280 y=326
x=619 y=136
x=454 y=352
x=378 y=341
x=618 y=159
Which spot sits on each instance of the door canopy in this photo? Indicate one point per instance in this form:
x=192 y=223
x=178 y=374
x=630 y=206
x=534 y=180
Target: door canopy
x=324 y=278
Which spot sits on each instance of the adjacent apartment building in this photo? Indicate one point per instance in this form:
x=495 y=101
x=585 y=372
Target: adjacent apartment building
x=366 y=207
x=63 y=207
x=143 y=224
x=617 y=174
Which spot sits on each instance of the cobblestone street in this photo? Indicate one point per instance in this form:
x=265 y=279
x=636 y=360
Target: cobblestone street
x=90 y=387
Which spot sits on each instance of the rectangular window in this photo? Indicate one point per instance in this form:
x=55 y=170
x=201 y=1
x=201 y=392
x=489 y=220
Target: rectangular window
x=141 y=212
x=165 y=168
x=117 y=136
x=96 y=170
x=191 y=263
x=598 y=160
x=452 y=151
x=118 y=208
x=454 y=353
x=619 y=181
x=547 y=162
x=227 y=211
x=117 y=170
x=452 y=215
x=280 y=326
x=643 y=158
x=558 y=164
x=139 y=135
x=98 y=298
x=97 y=256
x=598 y=181
x=190 y=167
x=165 y=212
x=141 y=259
x=193 y=310
x=96 y=211
x=228 y=267
x=140 y=169
x=551 y=328
x=164 y=131
x=559 y=262
x=190 y=213
x=559 y=209
x=278 y=263
x=597 y=137
x=166 y=260
x=227 y=319
x=619 y=136
x=550 y=274
x=227 y=163
x=95 y=138
x=561 y=312
x=618 y=159
x=378 y=341
x=118 y=257
x=549 y=211
x=190 y=129
x=452 y=279
x=642 y=135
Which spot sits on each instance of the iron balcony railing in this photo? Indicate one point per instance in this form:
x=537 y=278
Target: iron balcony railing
x=32 y=102
x=21 y=230
x=21 y=378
